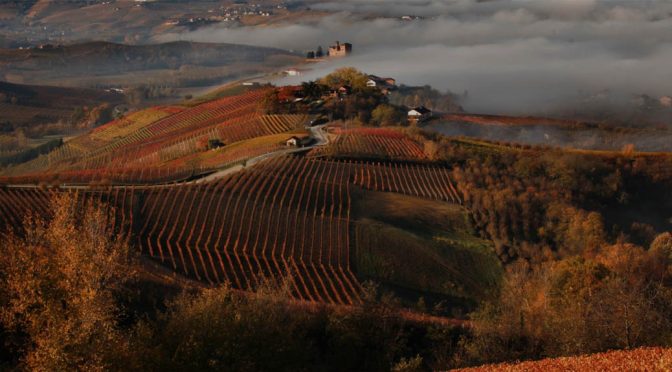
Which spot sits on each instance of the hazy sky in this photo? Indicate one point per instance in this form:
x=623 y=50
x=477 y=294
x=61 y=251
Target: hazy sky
x=511 y=55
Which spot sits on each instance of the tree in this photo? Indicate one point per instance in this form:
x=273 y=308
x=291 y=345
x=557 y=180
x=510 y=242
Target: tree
x=319 y=53
x=660 y=254
x=58 y=280
x=572 y=306
x=384 y=114
x=270 y=103
x=219 y=329
x=312 y=90
x=346 y=76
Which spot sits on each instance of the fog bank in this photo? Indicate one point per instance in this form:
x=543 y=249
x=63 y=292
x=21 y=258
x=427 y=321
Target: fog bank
x=512 y=56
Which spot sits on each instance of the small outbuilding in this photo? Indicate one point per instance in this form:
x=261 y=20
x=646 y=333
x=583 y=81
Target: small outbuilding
x=298 y=141
x=419 y=114
x=385 y=85
x=344 y=90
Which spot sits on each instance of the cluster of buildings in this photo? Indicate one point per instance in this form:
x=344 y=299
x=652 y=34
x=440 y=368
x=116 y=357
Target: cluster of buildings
x=385 y=85
x=232 y=13
x=238 y=10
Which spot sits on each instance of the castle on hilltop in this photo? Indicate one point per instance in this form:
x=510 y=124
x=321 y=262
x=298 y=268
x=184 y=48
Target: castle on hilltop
x=340 y=50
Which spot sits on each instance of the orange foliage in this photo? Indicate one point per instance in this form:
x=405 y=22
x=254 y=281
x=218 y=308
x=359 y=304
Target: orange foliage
x=644 y=359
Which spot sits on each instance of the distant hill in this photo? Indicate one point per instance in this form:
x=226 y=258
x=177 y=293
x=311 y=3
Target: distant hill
x=30 y=22
x=106 y=64
x=22 y=106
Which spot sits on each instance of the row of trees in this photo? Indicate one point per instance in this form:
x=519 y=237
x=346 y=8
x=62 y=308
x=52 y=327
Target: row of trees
x=317 y=53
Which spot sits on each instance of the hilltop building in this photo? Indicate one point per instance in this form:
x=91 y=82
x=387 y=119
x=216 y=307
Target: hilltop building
x=419 y=114
x=340 y=50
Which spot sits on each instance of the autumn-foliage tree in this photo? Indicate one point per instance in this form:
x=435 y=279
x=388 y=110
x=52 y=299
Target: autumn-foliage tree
x=219 y=329
x=346 y=76
x=270 y=103
x=58 y=279
x=616 y=299
x=385 y=114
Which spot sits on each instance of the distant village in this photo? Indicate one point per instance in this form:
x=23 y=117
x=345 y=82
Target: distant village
x=231 y=13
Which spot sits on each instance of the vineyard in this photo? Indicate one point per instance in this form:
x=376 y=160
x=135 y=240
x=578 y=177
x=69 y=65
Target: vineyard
x=120 y=140
x=162 y=144
x=514 y=120
x=283 y=216
x=379 y=143
x=286 y=216
x=127 y=125
x=418 y=180
x=233 y=153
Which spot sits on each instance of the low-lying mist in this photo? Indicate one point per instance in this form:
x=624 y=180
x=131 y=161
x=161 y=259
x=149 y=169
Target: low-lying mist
x=511 y=56
x=589 y=138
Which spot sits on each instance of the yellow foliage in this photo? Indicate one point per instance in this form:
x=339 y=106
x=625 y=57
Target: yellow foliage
x=57 y=279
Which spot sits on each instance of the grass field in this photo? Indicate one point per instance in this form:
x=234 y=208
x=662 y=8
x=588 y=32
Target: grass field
x=423 y=245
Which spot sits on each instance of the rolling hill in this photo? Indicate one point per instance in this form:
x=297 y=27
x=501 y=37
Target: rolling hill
x=23 y=105
x=212 y=194
x=237 y=215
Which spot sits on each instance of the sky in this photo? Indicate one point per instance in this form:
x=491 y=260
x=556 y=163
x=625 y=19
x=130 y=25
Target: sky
x=512 y=56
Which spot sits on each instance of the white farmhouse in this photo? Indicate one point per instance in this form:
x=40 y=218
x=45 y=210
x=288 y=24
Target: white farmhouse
x=419 y=114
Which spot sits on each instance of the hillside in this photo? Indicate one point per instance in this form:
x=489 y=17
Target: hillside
x=175 y=64
x=36 y=22
x=512 y=250
x=33 y=118
x=23 y=105
x=329 y=240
